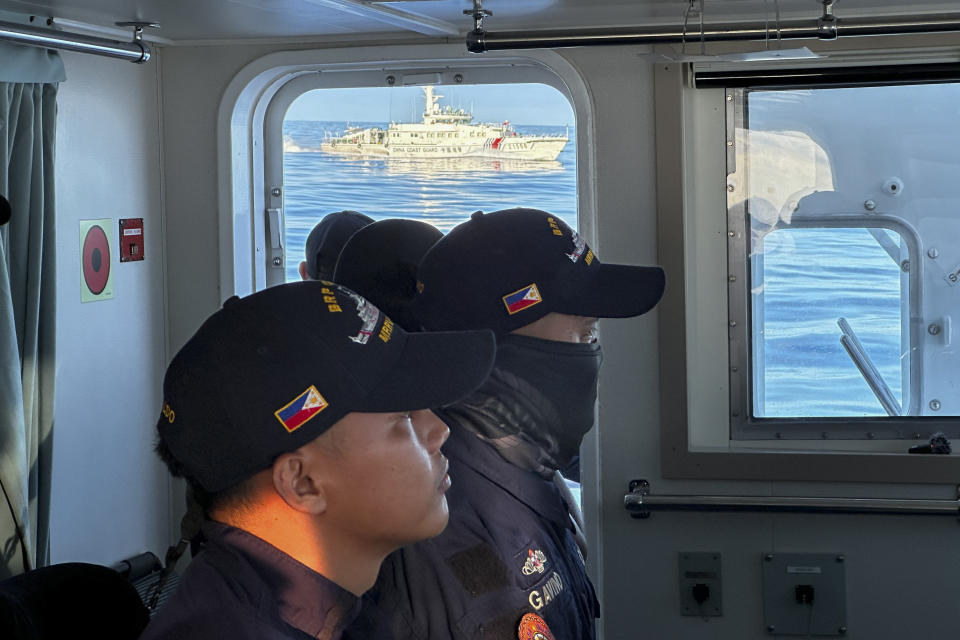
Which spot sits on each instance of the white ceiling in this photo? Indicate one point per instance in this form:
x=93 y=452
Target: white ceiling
x=202 y=20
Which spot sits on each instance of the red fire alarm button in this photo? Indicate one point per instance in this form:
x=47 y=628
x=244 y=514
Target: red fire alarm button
x=131 y=239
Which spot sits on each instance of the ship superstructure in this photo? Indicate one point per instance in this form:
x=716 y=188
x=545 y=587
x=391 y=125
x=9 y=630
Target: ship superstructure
x=445 y=132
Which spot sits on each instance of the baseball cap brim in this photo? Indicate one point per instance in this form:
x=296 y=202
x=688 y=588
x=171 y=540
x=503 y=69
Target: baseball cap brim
x=434 y=369
x=617 y=291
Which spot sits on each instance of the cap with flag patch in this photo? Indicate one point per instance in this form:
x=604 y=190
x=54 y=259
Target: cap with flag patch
x=270 y=372
x=507 y=269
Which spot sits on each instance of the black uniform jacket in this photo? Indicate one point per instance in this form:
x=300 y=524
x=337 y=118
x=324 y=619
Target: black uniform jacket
x=240 y=587
x=507 y=551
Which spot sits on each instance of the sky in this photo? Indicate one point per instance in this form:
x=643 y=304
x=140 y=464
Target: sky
x=522 y=104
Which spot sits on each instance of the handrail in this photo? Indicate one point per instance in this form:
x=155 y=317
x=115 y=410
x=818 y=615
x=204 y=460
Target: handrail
x=867 y=369
x=135 y=51
x=640 y=503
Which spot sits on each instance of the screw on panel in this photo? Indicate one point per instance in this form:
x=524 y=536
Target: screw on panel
x=768 y=557
x=391 y=80
x=277 y=262
x=730 y=188
x=275 y=192
x=870 y=205
x=871 y=435
x=933 y=253
x=729 y=98
x=732 y=278
x=933 y=329
x=730 y=233
x=841 y=558
x=935 y=405
x=734 y=369
x=905 y=265
x=771 y=628
x=842 y=630
x=729 y=143
x=824 y=435
x=458 y=78
x=779 y=435
x=733 y=323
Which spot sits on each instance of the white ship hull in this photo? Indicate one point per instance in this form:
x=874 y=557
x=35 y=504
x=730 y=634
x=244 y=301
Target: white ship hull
x=514 y=147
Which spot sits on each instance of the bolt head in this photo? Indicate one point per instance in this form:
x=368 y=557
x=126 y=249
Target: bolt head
x=933 y=253
x=870 y=205
x=391 y=80
x=935 y=405
x=277 y=262
x=275 y=192
x=933 y=329
x=458 y=78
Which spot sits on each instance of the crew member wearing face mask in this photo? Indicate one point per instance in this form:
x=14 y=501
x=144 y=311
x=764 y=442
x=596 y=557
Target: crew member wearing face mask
x=511 y=562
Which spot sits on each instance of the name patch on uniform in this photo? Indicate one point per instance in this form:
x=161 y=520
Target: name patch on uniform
x=533 y=627
x=536 y=562
x=303 y=408
x=522 y=298
x=553 y=587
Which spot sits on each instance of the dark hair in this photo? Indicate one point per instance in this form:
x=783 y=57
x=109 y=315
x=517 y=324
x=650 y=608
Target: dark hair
x=233 y=497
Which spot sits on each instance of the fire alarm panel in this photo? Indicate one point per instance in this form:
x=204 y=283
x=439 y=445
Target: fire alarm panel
x=131 y=239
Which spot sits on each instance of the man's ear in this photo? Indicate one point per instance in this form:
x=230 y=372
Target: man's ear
x=297 y=485
x=303 y=271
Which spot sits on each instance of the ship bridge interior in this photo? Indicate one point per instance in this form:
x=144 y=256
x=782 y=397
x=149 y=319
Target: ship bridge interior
x=740 y=144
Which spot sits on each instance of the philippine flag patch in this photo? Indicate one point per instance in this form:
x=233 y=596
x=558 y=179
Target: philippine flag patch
x=522 y=299
x=301 y=409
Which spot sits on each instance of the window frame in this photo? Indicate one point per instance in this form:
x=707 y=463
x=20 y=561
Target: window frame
x=694 y=324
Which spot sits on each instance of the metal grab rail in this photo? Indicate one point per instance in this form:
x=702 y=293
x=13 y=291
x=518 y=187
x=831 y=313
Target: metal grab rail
x=640 y=503
x=868 y=370
x=480 y=40
x=135 y=51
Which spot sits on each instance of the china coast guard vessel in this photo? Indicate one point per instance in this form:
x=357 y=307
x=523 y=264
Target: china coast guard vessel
x=445 y=132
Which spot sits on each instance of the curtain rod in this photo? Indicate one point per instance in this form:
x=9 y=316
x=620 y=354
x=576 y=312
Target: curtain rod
x=480 y=40
x=135 y=51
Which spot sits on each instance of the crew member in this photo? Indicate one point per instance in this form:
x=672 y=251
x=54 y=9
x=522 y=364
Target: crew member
x=380 y=262
x=325 y=241
x=510 y=562
x=298 y=416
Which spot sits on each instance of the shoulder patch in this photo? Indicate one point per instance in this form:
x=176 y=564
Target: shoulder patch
x=533 y=627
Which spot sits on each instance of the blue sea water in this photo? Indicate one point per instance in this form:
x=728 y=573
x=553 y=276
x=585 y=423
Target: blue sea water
x=812 y=277
x=442 y=192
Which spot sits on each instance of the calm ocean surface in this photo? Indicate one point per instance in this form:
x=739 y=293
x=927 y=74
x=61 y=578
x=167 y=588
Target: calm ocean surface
x=813 y=277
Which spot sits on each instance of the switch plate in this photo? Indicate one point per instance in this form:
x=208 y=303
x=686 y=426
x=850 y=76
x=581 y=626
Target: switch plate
x=701 y=568
x=825 y=573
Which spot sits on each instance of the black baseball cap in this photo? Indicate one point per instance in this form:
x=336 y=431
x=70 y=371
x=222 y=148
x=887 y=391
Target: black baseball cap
x=506 y=269
x=268 y=373
x=327 y=238
x=380 y=263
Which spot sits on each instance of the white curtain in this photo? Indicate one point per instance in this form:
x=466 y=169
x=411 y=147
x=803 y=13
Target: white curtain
x=27 y=321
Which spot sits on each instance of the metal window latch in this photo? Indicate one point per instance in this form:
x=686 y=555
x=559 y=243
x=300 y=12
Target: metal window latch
x=633 y=501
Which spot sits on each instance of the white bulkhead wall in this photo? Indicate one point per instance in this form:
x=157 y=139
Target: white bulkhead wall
x=636 y=561
x=109 y=492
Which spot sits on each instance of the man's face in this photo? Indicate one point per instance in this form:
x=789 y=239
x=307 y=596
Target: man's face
x=561 y=327
x=385 y=477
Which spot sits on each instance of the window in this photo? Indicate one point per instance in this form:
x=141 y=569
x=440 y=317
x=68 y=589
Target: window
x=325 y=170
x=814 y=329
x=827 y=237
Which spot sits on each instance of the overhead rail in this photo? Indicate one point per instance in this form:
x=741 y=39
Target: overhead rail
x=134 y=51
x=824 y=27
x=640 y=503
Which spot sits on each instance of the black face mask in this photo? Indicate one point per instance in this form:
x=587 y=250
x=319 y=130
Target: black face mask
x=565 y=374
